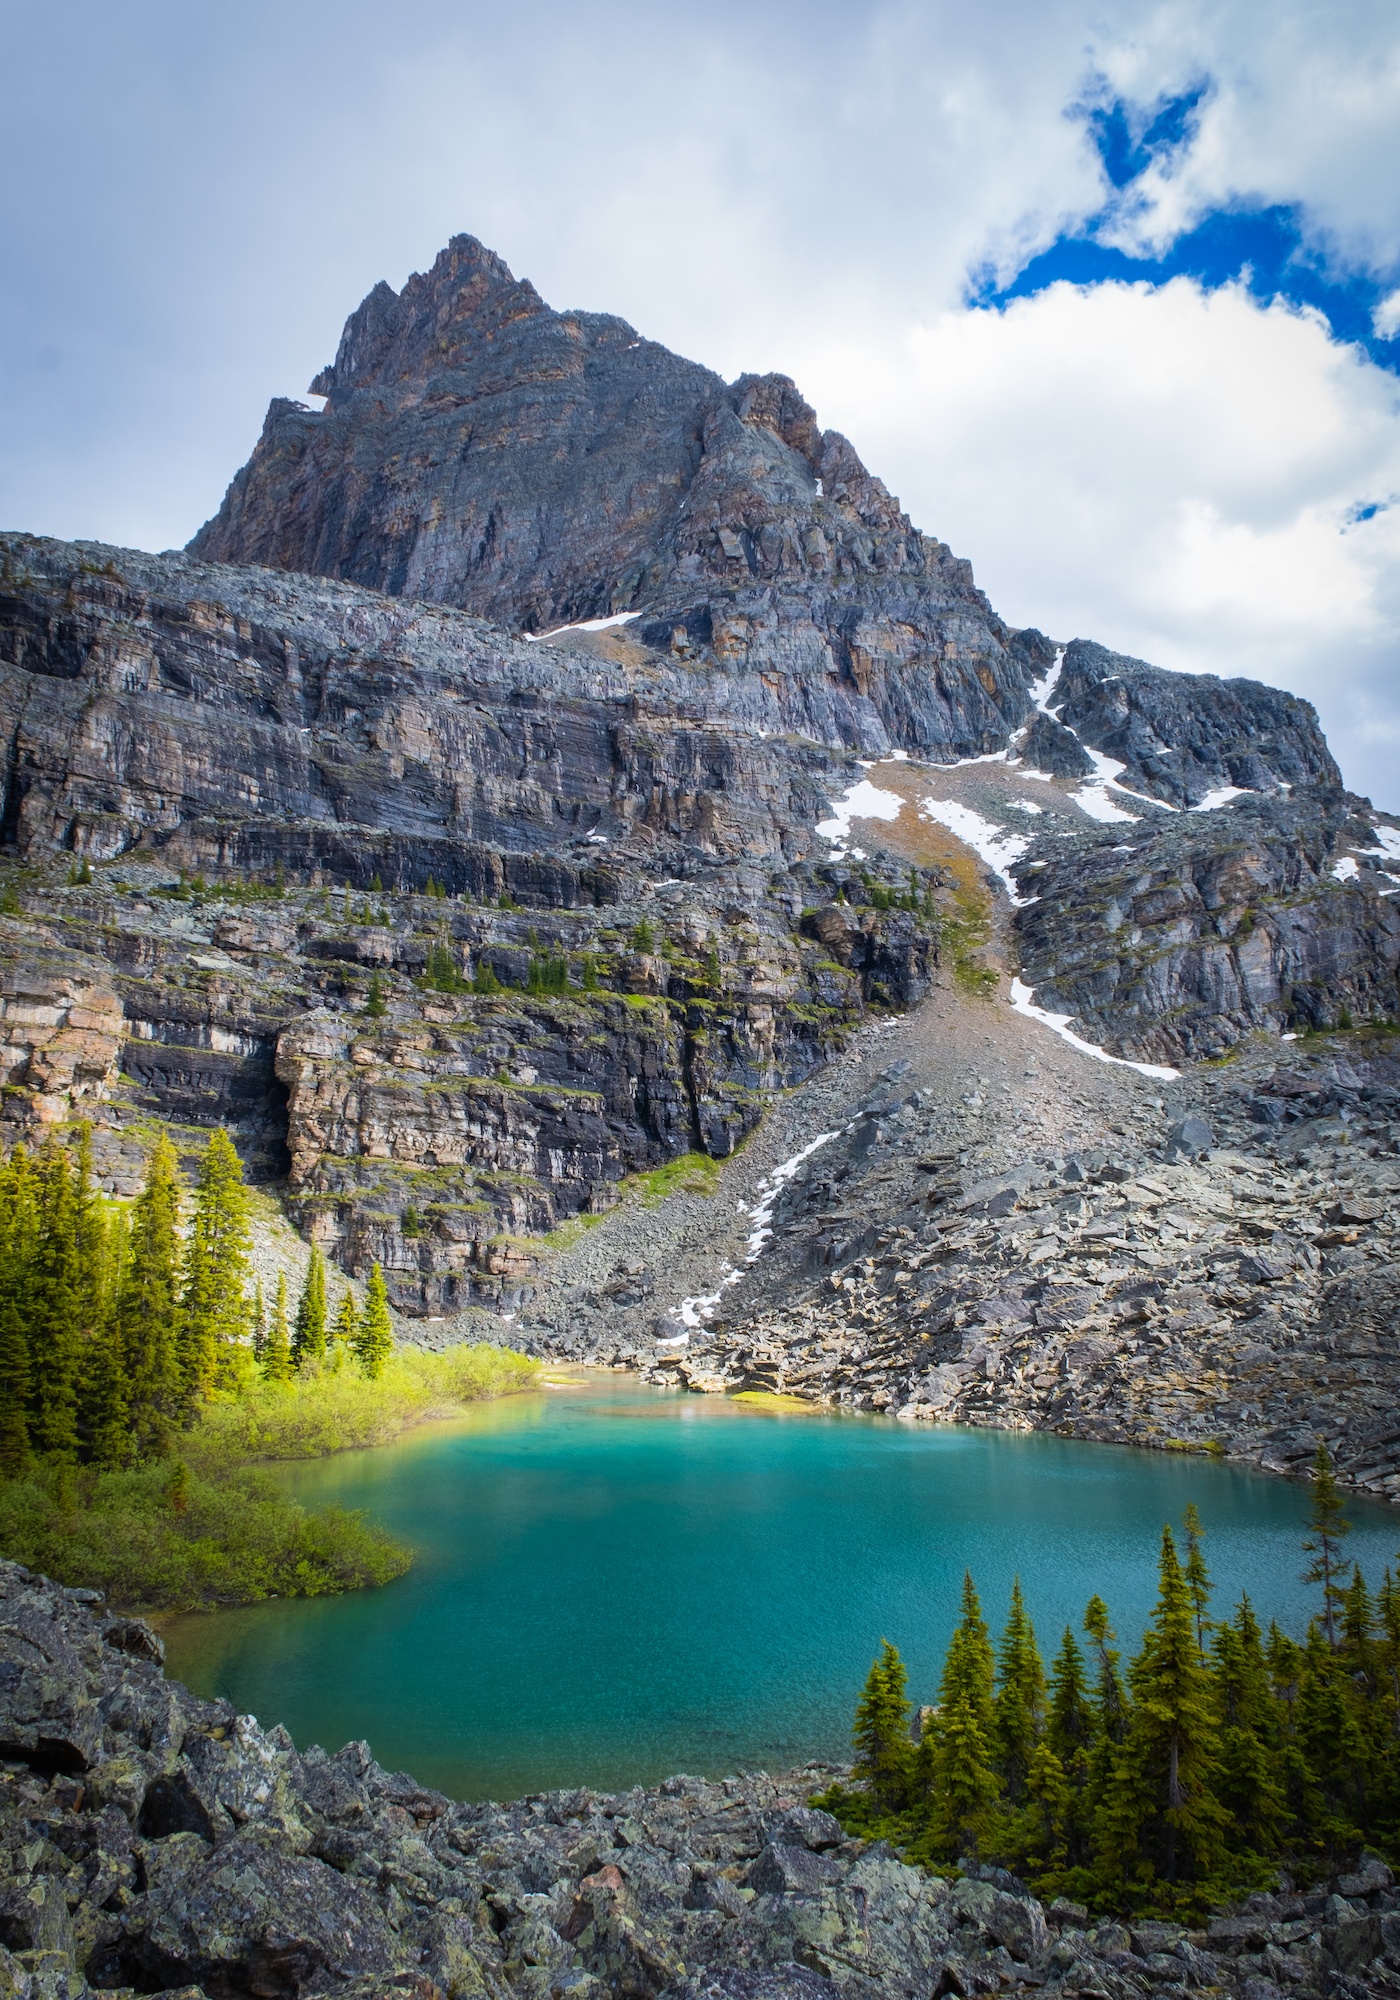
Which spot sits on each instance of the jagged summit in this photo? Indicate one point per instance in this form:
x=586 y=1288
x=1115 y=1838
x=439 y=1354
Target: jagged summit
x=481 y=450
x=540 y=468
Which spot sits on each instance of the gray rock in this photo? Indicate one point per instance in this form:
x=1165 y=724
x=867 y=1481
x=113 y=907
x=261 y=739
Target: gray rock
x=1190 y=1137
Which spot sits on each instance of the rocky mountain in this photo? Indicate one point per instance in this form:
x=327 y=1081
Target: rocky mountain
x=550 y=756
x=159 y=1843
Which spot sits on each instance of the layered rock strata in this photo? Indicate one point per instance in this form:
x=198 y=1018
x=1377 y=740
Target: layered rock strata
x=155 y=1842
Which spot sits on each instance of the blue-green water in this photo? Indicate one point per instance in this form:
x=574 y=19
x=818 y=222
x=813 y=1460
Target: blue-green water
x=615 y=1583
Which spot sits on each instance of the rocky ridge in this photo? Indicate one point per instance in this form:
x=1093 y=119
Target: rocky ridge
x=158 y=1843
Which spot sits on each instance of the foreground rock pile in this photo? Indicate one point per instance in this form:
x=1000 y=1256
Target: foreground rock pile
x=159 y=1843
x=1224 y=1278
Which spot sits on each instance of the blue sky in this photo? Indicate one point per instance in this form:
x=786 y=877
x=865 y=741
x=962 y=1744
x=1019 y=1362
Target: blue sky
x=1272 y=249
x=1108 y=294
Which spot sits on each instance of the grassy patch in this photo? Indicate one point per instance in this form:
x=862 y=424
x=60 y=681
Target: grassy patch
x=336 y=1409
x=692 y=1173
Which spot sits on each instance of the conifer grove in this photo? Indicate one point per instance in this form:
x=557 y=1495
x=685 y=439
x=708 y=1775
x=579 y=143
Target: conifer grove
x=1221 y=1753
x=117 y=1326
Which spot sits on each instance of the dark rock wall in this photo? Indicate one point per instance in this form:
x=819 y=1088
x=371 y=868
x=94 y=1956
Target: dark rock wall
x=1175 y=938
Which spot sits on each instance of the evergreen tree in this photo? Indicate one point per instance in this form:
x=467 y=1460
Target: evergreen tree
x=1328 y=1527
x=1069 y=1737
x=277 y=1351
x=957 y=1769
x=18 y=1242
x=258 y=1322
x=1334 y=1746
x=310 y=1341
x=57 y=1290
x=1161 y=1816
x=1247 y=1783
x=374 y=1337
x=346 y=1330
x=884 y=1753
x=1018 y=1713
x=104 y=1429
x=147 y=1315
x=1197 y=1575
x=376 y=1007
x=214 y=1310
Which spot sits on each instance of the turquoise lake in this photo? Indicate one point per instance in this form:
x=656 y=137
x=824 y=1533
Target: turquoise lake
x=615 y=1583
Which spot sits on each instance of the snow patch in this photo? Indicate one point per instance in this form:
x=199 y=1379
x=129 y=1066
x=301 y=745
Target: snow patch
x=695 y=1311
x=1023 y=1000
x=994 y=844
x=761 y=1214
x=1346 y=870
x=862 y=801
x=1221 y=796
x=586 y=625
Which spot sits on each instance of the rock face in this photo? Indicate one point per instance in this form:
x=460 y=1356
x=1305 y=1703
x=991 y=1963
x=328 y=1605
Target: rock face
x=1177 y=938
x=1181 y=737
x=479 y=449
x=159 y=1843
x=61 y=1027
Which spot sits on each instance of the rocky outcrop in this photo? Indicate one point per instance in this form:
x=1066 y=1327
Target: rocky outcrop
x=154 y=1842
x=61 y=1027
x=1182 y=737
x=1177 y=938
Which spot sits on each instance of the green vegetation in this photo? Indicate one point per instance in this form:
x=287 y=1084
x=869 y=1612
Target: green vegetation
x=1222 y=1753
x=138 y=1380
x=692 y=1173
x=441 y=974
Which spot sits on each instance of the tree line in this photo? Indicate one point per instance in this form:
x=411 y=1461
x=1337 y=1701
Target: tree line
x=1222 y=1753
x=116 y=1327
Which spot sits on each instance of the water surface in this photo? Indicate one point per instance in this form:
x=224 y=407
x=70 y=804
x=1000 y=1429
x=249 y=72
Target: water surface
x=614 y=1583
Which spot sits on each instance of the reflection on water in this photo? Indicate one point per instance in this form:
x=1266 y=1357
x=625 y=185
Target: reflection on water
x=614 y=1582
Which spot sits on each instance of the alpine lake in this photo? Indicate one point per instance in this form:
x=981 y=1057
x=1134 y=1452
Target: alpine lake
x=614 y=1583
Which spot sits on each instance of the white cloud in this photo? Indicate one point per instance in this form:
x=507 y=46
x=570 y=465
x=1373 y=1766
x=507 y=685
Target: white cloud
x=1171 y=472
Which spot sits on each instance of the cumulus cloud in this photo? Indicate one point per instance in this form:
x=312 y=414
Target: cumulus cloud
x=1183 y=475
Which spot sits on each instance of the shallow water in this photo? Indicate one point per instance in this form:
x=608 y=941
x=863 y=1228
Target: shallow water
x=614 y=1583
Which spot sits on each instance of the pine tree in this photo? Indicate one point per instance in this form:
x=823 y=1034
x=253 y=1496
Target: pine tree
x=1161 y=1816
x=374 y=1337
x=957 y=1768
x=346 y=1330
x=1197 y=1575
x=1247 y=1783
x=1328 y=1528
x=277 y=1352
x=376 y=1007
x=310 y=1341
x=258 y=1322
x=1019 y=1705
x=1333 y=1745
x=104 y=1428
x=56 y=1296
x=18 y=1233
x=147 y=1317
x=214 y=1310
x=1062 y=1789
x=884 y=1753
